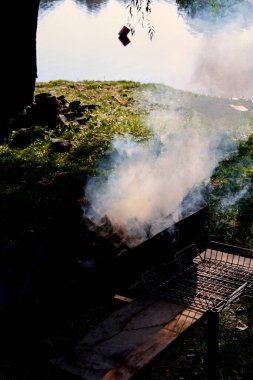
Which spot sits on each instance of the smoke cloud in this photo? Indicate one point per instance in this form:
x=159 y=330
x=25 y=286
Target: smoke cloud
x=154 y=184
x=224 y=64
x=223 y=58
x=232 y=199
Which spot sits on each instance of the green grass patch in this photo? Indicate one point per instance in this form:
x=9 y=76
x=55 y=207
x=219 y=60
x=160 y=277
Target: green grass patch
x=31 y=170
x=231 y=197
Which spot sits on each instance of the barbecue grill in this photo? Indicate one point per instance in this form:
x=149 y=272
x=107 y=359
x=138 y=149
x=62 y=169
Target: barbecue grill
x=197 y=282
x=171 y=266
x=208 y=280
x=124 y=264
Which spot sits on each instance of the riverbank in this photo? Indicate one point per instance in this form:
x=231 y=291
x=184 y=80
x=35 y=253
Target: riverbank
x=56 y=145
x=44 y=163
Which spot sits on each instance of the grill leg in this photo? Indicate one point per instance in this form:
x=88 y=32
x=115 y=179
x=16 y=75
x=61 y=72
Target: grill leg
x=212 y=345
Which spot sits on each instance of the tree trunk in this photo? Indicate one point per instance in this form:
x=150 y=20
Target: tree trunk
x=19 y=66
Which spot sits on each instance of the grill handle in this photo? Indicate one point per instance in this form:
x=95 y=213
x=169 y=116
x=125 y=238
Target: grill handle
x=229 y=299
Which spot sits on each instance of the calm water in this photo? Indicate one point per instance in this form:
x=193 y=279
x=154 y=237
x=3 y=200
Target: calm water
x=209 y=52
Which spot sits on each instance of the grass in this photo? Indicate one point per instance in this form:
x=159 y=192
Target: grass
x=32 y=175
x=40 y=191
x=230 y=219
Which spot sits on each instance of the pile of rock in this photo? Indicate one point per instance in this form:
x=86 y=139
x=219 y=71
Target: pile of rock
x=46 y=111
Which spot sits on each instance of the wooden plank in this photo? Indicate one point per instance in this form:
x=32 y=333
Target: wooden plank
x=128 y=340
x=228 y=258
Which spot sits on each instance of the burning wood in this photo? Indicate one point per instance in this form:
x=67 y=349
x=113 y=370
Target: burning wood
x=102 y=229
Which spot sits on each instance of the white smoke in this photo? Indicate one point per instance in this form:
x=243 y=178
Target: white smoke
x=146 y=187
x=223 y=58
x=231 y=199
x=151 y=185
x=224 y=64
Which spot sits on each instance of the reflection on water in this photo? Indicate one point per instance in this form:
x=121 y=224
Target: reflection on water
x=196 y=47
x=48 y=4
x=92 y=6
x=211 y=17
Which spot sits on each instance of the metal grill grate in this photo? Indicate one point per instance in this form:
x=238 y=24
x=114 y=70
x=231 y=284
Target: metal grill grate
x=209 y=280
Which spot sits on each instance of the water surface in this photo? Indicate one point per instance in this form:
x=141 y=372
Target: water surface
x=205 y=51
